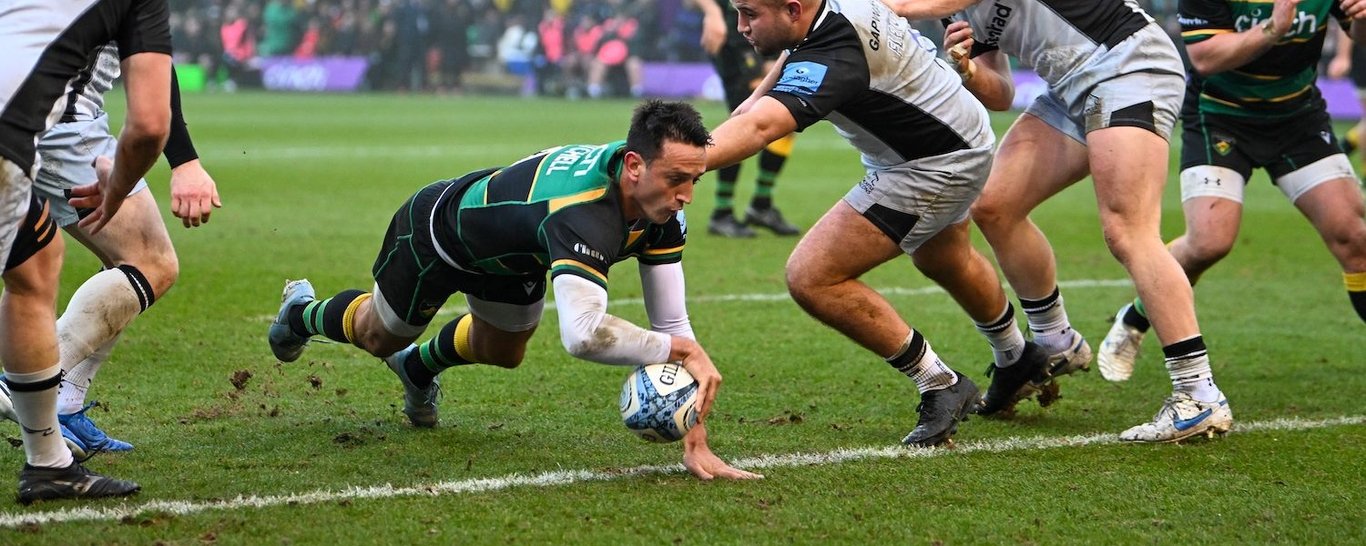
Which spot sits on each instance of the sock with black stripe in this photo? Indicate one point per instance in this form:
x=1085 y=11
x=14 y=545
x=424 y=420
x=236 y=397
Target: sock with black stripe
x=449 y=348
x=333 y=318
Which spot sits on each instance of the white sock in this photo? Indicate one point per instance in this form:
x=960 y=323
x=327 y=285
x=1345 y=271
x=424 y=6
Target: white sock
x=43 y=444
x=1192 y=375
x=1048 y=322
x=99 y=310
x=71 y=395
x=1007 y=342
x=919 y=362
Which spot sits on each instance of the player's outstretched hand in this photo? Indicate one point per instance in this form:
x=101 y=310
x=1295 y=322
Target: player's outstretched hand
x=701 y=462
x=194 y=194
x=93 y=196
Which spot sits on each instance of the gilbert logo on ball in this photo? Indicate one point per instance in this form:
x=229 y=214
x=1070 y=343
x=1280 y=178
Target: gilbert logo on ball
x=658 y=402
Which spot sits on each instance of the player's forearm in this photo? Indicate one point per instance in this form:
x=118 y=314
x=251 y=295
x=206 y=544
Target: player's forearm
x=928 y=9
x=991 y=82
x=1224 y=52
x=137 y=151
x=588 y=332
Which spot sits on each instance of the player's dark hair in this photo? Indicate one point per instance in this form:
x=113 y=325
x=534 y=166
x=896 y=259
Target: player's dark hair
x=656 y=121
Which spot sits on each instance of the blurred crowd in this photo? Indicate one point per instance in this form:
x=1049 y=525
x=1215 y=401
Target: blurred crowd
x=566 y=47
x=572 y=47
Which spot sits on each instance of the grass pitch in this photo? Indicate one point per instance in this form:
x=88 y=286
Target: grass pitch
x=309 y=184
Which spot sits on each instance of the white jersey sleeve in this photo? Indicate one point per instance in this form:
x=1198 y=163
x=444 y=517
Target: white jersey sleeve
x=664 y=300
x=588 y=332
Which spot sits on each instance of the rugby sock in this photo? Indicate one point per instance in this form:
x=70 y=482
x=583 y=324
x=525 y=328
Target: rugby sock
x=917 y=360
x=1048 y=322
x=771 y=161
x=1356 y=290
x=725 y=191
x=1135 y=315
x=1007 y=342
x=71 y=395
x=34 y=396
x=333 y=318
x=1188 y=364
x=98 y=311
x=450 y=348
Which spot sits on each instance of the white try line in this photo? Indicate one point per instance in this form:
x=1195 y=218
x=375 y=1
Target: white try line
x=566 y=477
x=894 y=291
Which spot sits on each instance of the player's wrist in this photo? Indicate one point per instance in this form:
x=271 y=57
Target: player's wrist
x=1269 y=30
x=967 y=69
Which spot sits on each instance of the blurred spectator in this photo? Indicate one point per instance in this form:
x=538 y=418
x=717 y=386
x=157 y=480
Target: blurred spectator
x=517 y=46
x=615 y=51
x=281 y=31
x=450 y=44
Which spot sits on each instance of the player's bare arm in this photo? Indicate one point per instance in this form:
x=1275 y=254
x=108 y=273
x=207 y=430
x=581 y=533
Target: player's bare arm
x=1230 y=50
x=744 y=135
x=713 y=25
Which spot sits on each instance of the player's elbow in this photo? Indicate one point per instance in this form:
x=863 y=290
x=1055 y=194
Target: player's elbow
x=585 y=345
x=148 y=129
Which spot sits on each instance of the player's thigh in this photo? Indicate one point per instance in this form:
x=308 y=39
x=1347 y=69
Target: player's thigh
x=136 y=235
x=1335 y=209
x=1034 y=162
x=411 y=280
x=843 y=245
x=1212 y=203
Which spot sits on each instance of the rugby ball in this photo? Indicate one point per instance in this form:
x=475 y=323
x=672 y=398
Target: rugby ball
x=658 y=402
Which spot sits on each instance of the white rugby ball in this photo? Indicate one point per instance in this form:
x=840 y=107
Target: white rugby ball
x=658 y=402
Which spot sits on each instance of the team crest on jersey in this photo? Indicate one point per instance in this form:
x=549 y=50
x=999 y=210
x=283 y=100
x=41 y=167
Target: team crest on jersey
x=801 y=78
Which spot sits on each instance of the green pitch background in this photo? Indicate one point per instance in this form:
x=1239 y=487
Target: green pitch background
x=308 y=185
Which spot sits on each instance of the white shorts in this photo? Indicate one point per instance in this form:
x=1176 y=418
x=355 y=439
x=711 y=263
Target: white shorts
x=914 y=201
x=68 y=152
x=1225 y=183
x=1137 y=83
x=15 y=187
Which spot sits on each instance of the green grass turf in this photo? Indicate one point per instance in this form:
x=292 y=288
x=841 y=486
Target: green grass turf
x=309 y=184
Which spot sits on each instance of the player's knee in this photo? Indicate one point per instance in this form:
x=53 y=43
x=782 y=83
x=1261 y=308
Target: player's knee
x=37 y=275
x=507 y=360
x=990 y=213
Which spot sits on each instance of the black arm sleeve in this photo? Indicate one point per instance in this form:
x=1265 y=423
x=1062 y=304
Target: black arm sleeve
x=179 y=149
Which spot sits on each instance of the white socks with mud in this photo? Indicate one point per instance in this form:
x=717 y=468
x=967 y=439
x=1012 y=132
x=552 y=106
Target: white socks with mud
x=34 y=395
x=1048 y=322
x=98 y=312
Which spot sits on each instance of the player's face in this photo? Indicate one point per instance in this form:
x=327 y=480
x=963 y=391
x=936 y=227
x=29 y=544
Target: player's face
x=666 y=184
x=766 y=24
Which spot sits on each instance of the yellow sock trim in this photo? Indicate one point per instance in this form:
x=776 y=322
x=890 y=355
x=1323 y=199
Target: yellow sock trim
x=349 y=317
x=1356 y=282
x=782 y=146
x=463 y=349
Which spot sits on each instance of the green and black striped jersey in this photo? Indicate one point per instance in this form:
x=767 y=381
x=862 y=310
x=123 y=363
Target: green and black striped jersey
x=560 y=211
x=1280 y=82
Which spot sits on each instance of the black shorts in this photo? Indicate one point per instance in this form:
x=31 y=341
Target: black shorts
x=1279 y=145
x=413 y=278
x=740 y=68
x=34 y=234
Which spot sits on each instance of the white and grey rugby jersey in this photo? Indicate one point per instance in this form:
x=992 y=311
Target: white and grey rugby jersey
x=1052 y=36
x=882 y=86
x=86 y=99
x=46 y=45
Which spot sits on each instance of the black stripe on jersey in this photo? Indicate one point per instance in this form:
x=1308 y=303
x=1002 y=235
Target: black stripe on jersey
x=514 y=182
x=904 y=127
x=1106 y=22
x=78 y=86
x=25 y=115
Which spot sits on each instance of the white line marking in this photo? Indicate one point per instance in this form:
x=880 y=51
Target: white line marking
x=566 y=477
x=894 y=291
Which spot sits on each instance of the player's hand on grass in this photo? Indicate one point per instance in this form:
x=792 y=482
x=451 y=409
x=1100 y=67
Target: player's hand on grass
x=93 y=196
x=194 y=194
x=701 y=462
